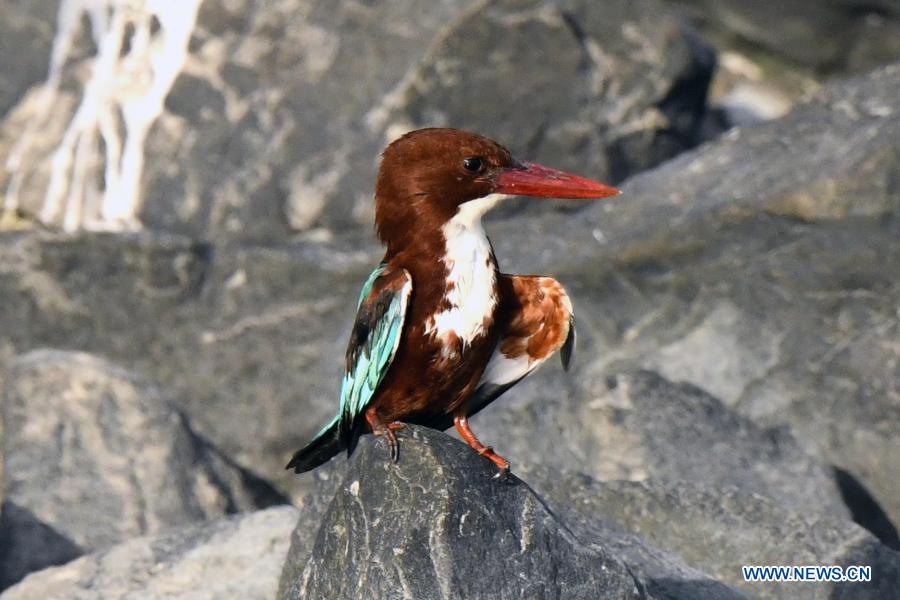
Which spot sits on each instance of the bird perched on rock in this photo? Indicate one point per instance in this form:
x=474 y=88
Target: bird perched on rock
x=440 y=332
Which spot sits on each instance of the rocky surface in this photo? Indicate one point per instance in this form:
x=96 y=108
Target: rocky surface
x=281 y=108
x=26 y=32
x=757 y=268
x=771 y=284
x=244 y=336
x=833 y=158
x=405 y=529
x=718 y=530
x=93 y=457
x=640 y=426
x=237 y=557
x=735 y=395
x=437 y=525
x=827 y=37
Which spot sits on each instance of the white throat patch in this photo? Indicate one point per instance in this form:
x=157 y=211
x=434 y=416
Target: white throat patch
x=472 y=279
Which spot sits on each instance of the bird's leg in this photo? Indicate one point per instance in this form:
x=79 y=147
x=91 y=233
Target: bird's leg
x=380 y=429
x=462 y=426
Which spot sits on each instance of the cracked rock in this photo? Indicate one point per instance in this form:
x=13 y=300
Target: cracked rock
x=681 y=540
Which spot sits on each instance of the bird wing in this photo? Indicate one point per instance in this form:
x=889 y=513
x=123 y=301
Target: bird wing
x=373 y=343
x=535 y=319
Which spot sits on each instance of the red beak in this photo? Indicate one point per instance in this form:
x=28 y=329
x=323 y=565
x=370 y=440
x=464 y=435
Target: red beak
x=530 y=179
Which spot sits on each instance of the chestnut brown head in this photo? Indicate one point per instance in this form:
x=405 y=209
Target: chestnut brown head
x=427 y=174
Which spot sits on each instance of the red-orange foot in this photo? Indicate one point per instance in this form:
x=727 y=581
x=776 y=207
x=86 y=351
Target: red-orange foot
x=386 y=431
x=462 y=426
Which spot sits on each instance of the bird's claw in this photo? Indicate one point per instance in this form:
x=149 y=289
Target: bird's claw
x=394 y=446
x=390 y=438
x=502 y=473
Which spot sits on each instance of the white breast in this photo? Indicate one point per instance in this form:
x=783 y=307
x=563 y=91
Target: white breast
x=472 y=281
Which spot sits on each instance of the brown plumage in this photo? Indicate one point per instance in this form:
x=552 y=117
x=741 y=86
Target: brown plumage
x=468 y=331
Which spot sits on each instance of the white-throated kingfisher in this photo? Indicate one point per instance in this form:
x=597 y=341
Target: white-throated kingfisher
x=440 y=332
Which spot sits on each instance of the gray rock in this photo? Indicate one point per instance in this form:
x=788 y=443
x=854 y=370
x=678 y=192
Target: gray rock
x=760 y=268
x=832 y=158
x=828 y=37
x=664 y=574
x=680 y=539
x=626 y=87
x=646 y=427
x=720 y=530
x=312 y=506
x=93 y=456
x=281 y=108
x=735 y=267
x=237 y=557
x=436 y=525
x=26 y=33
x=246 y=337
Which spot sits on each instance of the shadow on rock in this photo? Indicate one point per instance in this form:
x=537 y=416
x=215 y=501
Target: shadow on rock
x=93 y=455
x=28 y=544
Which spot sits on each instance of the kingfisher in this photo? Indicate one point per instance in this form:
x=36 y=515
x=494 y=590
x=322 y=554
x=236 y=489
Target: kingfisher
x=440 y=332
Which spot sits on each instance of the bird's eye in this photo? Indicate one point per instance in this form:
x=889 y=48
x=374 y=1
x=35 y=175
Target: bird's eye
x=472 y=164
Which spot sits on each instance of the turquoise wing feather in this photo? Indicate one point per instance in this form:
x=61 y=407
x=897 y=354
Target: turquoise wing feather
x=367 y=286
x=376 y=335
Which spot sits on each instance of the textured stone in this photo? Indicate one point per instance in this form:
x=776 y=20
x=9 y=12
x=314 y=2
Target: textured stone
x=640 y=426
x=626 y=87
x=760 y=268
x=276 y=118
x=93 y=456
x=237 y=557
x=719 y=530
x=833 y=157
x=249 y=339
x=437 y=525
x=739 y=267
x=681 y=539
x=664 y=575
x=827 y=37
x=26 y=32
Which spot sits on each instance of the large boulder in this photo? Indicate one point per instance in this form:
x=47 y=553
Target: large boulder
x=236 y=557
x=830 y=160
x=760 y=268
x=681 y=539
x=274 y=122
x=93 y=456
x=626 y=86
x=719 y=530
x=639 y=426
x=245 y=337
x=437 y=524
x=826 y=37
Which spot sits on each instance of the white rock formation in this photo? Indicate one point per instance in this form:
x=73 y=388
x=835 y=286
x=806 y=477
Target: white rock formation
x=141 y=46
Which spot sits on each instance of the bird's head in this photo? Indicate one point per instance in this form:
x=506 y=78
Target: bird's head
x=428 y=176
